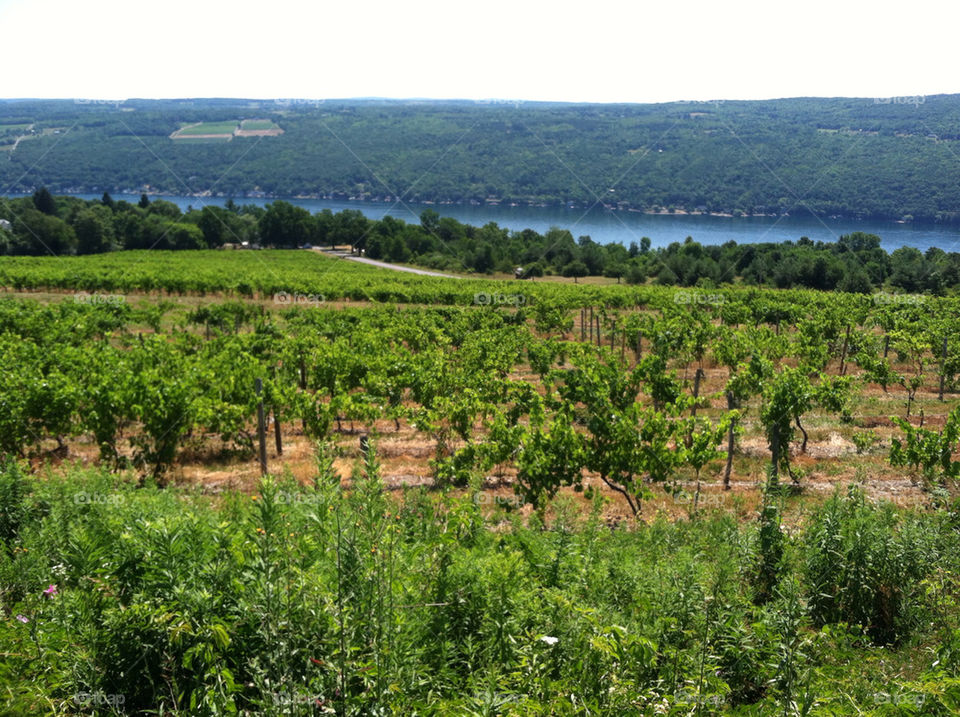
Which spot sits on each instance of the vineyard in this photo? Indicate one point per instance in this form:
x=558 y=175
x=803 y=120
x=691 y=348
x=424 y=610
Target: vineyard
x=483 y=497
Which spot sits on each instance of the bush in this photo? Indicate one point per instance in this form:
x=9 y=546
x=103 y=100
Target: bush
x=13 y=505
x=864 y=565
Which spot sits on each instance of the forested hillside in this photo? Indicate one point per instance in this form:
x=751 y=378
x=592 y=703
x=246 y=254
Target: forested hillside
x=877 y=158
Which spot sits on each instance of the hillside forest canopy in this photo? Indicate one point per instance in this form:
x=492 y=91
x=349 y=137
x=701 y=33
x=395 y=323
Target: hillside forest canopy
x=871 y=158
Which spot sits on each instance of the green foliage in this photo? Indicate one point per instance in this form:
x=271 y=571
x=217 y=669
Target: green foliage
x=927 y=451
x=851 y=154
x=863 y=566
x=366 y=602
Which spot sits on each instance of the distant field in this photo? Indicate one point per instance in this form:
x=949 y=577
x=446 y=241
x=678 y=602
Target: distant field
x=259 y=128
x=210 y=128
x=207 y=129
x=258 y=124
x=197 y=139
x=219 y=131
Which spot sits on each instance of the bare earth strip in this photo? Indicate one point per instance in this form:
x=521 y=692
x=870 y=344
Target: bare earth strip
x=258 y=132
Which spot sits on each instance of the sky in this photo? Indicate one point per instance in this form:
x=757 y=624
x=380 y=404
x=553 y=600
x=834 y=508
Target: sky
x=599 y=51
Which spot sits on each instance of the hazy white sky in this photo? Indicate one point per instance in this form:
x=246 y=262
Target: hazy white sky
x=598 y=51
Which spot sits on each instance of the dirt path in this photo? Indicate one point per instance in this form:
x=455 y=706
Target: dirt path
x=16 y=142
x=384 y=265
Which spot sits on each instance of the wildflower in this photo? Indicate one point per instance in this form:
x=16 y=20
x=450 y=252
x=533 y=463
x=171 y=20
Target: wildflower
x=549 y=640
x=23 y=618
x=50 y=591
x=253 y=497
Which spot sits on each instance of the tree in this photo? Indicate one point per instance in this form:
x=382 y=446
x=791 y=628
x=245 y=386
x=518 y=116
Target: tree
x=615 y=270
x=144 y=201
x=786 y=397
x=107 y=201
x=285 y=225
x=430 y=221
x=533 y=270
x=94 y=230
x=575 y=269
x=44 y=202
x=218 y=226
x=38 y=233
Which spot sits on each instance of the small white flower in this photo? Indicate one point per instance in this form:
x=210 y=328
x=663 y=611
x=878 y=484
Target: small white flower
x=549 y=640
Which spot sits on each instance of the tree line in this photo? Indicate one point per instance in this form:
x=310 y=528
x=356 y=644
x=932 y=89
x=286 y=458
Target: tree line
x=46 y=225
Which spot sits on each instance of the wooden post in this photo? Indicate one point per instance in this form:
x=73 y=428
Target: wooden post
x=303 y=387
x=598 y=330
x=886 y=345
x=276 y=432
x=261 y=428
x=943 y=366
x=590 y=321
x=843 y=354
x=623 y=345
x=583 y=320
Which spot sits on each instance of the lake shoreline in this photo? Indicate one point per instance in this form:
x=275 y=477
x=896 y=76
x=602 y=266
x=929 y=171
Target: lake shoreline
x=558 y=205
x=604 y=225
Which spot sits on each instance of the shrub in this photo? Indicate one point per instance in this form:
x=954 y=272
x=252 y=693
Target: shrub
x=863 y=566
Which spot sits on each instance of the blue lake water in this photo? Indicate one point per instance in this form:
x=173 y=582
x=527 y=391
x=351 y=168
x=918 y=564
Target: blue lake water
x=606 y=226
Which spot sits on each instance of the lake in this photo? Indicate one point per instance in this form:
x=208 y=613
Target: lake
x=607 y=226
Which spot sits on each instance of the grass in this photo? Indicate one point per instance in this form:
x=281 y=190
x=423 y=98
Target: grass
x=348 y=599
x=258 y=124
x=209 y=128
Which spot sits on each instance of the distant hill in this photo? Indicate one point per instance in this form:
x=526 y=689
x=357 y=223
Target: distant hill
x=892 y=158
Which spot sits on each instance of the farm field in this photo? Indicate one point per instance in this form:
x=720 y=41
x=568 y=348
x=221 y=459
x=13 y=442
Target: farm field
x=482 y=497
x=209 y=128
x=227 y=130
x=206 y=130
x=259 y=128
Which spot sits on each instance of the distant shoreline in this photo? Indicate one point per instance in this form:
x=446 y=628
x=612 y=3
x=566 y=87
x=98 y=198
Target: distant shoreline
x=340 y=197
